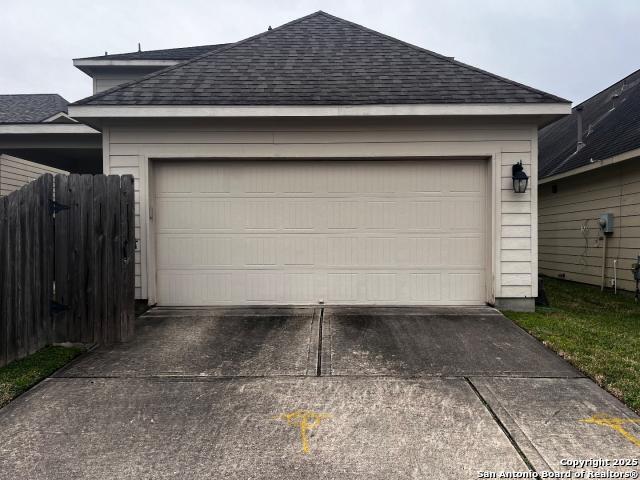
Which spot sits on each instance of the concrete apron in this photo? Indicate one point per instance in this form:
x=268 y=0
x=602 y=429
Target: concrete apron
x=233 y=393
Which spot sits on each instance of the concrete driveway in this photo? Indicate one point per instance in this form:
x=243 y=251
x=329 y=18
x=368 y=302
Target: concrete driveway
x=309 y=393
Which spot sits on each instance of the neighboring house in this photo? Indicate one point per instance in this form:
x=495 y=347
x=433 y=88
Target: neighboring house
x=108 y=71
x=590 y=165
x=17 y=172
x=324 y=162
x=37 y=128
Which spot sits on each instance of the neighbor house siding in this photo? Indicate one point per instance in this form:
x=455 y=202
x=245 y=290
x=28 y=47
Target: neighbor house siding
x=570 y=240
x=16 y=172
x=109 y=78
x=130 y=144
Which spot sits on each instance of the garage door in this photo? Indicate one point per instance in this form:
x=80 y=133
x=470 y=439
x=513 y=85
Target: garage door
x=339 y=232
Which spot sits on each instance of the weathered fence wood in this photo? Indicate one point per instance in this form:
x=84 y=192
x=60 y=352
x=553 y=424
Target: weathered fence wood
x=14 y=279
x=93 y=277
x=17 y=319
x=4 y=280
x=127 y=271
x=24 y=278
x=27 y=332
x=61 y=256
x=46 y=263
x=83 y=260
x=98 y=306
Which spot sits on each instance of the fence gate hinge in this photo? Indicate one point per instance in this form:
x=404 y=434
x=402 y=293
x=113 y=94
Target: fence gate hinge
x=55 y=207
x=57 y=307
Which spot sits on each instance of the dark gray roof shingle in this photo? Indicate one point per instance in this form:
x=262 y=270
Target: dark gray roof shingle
x=178 y=54
x=607 y=131
x=30 y=108
x=319 y=60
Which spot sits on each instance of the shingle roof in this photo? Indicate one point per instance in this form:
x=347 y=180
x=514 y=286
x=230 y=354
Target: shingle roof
x=179 y=54
x=319 y=60
x=607 y=131
x=30 y=108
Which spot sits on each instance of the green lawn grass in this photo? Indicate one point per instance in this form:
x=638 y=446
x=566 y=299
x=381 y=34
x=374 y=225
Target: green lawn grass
x=598 y=332
x=21 y=375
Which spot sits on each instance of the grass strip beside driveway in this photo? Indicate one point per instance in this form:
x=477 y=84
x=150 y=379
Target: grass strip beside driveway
x=598 y=332
x=19 y=376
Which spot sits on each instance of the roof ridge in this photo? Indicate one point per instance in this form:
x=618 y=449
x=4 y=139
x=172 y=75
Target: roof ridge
x=194 y=59
x=606 y=88
x=443 y=57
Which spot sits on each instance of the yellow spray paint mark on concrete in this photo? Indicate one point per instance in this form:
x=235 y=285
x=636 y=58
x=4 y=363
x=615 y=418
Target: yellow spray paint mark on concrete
x=616 y=424
x=305 y=420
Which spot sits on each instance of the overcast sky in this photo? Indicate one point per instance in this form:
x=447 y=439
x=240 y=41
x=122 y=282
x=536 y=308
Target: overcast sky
x=572 y=48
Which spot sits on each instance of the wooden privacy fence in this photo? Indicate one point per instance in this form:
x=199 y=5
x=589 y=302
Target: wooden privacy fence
x=66 y=263
x=26 y=269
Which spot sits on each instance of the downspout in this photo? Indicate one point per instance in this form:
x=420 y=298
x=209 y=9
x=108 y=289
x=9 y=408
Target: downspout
x=604 y=260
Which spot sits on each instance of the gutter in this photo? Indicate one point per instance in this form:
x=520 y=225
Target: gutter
x=254 y=111
x=47 y=129
x=595 y=164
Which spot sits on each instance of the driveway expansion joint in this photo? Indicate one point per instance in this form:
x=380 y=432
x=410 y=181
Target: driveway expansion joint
x=319 y=364
x=501 y=425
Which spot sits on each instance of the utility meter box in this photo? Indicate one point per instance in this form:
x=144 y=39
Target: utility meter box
x=606 y=223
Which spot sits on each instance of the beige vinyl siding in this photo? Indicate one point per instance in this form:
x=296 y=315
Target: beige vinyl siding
x=16 y=172
x=565 y=249
x=108 y=78
x=131 y=145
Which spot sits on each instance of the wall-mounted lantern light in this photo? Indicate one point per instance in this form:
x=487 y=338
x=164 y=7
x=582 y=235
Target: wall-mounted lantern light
x=520 y=179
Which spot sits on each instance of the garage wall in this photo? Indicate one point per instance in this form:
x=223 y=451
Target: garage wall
x=128 y=146
x=570 y=239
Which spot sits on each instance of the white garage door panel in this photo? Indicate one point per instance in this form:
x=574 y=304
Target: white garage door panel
x=391 y=232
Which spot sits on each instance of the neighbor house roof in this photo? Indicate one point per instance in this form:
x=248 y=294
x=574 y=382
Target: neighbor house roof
x=30 y=108
x=610 y=124
x=320 y=60
x=178 y=54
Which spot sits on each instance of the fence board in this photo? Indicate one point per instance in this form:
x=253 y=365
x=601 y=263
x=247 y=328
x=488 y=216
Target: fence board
x=27 y=326
x=61 y=255
x=36 y=267
x=20 y=320
x=113 y=257
x=74 y=267
x=98 y=306
x=13 y=275
x=127 y=280
x=4 y=280
x=47 y=263
x=85 y=287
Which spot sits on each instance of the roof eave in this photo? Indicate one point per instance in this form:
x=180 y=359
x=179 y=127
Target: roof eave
x=544 y=112
x=88 y=65
x=595 y=164
x=46 y=129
